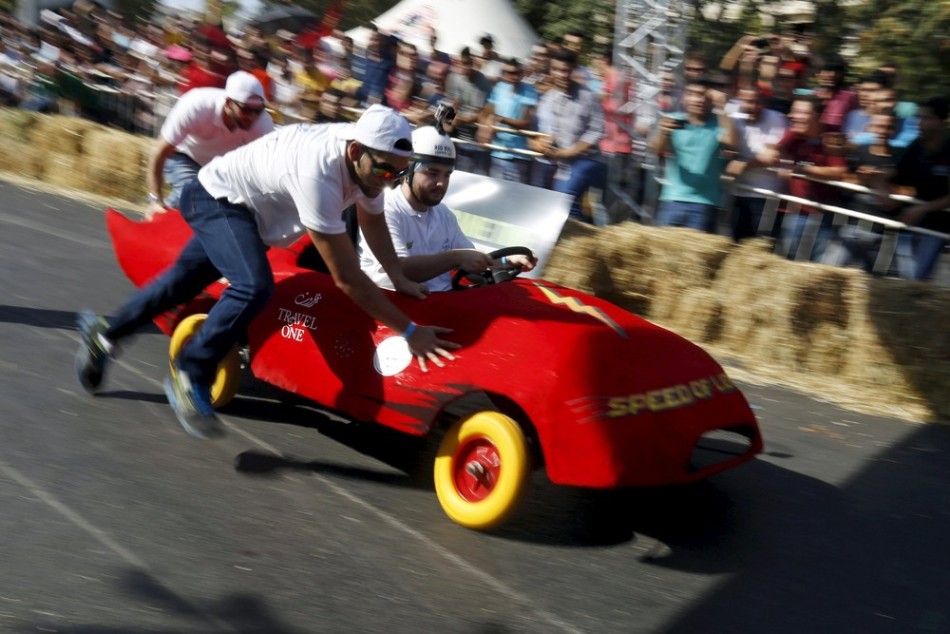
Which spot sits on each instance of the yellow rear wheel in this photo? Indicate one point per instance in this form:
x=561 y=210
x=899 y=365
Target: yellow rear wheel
x=227 y=379
x=482 y=469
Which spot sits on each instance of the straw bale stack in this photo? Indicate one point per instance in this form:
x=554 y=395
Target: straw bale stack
x=115 y=163
x=21 y=158
x=15 y=124
x=59 y=135
x=872 y=344
x=16 y=154
x=65 y=171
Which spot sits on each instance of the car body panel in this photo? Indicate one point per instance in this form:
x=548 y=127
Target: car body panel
x=613 y=400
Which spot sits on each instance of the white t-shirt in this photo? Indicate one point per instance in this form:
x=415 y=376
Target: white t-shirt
x=195 y=128
x=415 y=233
x=293 y=179
x=754 y=138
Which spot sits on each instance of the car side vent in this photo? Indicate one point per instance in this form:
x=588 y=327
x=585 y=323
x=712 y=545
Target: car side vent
x=721 y=445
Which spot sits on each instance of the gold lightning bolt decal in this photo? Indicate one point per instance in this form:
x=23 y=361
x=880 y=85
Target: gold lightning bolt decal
x=578 y=306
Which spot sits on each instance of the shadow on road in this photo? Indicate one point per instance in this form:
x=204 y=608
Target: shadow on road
x=869 y=556
x=42 y=317
x=49 y=318
x=237 y=613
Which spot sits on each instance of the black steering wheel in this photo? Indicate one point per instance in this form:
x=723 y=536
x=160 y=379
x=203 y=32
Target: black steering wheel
x=462 y=280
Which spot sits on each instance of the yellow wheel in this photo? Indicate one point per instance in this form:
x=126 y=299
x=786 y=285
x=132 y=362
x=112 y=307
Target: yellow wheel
x=228 y=377
x=481 y=470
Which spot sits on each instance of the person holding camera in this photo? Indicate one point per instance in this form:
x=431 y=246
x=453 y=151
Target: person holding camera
x=691 y=144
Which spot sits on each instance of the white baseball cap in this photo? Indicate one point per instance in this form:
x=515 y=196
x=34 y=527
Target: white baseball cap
x=381 y=129
x=244 y=88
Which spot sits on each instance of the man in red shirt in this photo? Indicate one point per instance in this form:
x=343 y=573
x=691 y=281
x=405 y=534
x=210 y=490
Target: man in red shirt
x=808 y=155
x=199 y=72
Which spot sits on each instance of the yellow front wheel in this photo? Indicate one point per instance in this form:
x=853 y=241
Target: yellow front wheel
x=482 y=469
x=227 y=379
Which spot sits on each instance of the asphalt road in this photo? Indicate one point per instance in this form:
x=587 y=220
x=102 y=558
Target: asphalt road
x=114 y=520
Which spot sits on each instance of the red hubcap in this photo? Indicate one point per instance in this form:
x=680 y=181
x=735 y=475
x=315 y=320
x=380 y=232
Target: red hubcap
x=475 y=467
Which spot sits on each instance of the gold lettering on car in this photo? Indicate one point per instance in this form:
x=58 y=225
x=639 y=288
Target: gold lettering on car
x=669 y=398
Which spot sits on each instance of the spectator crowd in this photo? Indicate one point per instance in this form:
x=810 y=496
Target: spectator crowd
x=769 y=122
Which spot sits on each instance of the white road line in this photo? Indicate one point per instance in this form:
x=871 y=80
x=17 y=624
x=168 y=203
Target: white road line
x=98 y=534
x=496 y=584
x=486 y=578
x=35 y=226
x=474 y=571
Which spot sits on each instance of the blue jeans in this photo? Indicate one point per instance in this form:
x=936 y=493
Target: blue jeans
x=700 y=216
x=515 y=170
x=179 y=170
x=584 y=174
x=226 y=242
x=541 y=174
x=927 y=250
x=473 y=159
x=793 y=230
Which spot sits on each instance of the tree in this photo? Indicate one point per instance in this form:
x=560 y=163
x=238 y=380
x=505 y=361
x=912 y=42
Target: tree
x=914 y=34
x=136 y=10
x=552 y=20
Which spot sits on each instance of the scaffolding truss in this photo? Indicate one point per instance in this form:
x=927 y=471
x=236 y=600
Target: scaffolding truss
x=649 y=37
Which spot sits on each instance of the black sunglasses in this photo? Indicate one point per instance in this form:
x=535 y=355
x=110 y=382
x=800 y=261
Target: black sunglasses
x=249 y=110
x=385 y=170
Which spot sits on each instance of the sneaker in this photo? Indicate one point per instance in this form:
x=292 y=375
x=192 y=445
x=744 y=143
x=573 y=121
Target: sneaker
x=94 y=352
x=192 y=405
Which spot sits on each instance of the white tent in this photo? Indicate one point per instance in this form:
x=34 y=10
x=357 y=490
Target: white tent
x=458 y=23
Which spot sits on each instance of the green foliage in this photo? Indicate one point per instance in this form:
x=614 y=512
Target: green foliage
x=914 y=34
x=551 y=20
x=714 y=35
x=136 y=10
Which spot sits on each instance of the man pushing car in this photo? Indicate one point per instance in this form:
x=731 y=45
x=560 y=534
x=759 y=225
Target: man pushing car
x=268 y=193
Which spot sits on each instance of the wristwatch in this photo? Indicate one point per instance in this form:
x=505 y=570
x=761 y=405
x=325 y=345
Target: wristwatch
x=153 y=198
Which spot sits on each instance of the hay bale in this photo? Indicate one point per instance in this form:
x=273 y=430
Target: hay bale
x=60 y=135
x=114 y=163
x=574 y=257
x=21 y=159
x=65 y=171
x=875 y=345
x=15 y=124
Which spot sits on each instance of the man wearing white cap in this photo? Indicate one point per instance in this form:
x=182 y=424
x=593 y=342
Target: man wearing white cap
x=203 y=124
x=296 y=180
x=425 y=233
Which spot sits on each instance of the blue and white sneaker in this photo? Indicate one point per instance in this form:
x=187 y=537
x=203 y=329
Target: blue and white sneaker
x=95 y=350
x=192 y=404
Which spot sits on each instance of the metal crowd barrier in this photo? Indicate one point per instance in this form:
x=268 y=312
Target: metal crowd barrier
x=890 y=228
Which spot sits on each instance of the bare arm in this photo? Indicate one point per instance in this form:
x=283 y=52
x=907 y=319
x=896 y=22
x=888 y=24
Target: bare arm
x=915 y=214
x=661 y=142
x=825 y=172
x=340 y=256
x=527 y=116
x=421 y=268
x=377 y=235
x=153 y=176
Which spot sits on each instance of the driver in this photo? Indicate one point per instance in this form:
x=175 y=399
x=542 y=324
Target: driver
x=425 y=233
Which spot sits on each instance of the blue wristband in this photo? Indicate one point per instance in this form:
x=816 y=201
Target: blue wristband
x=504 y=260
x=411 y=328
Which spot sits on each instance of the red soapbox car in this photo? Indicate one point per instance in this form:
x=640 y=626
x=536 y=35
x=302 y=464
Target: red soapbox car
x=547 y=377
